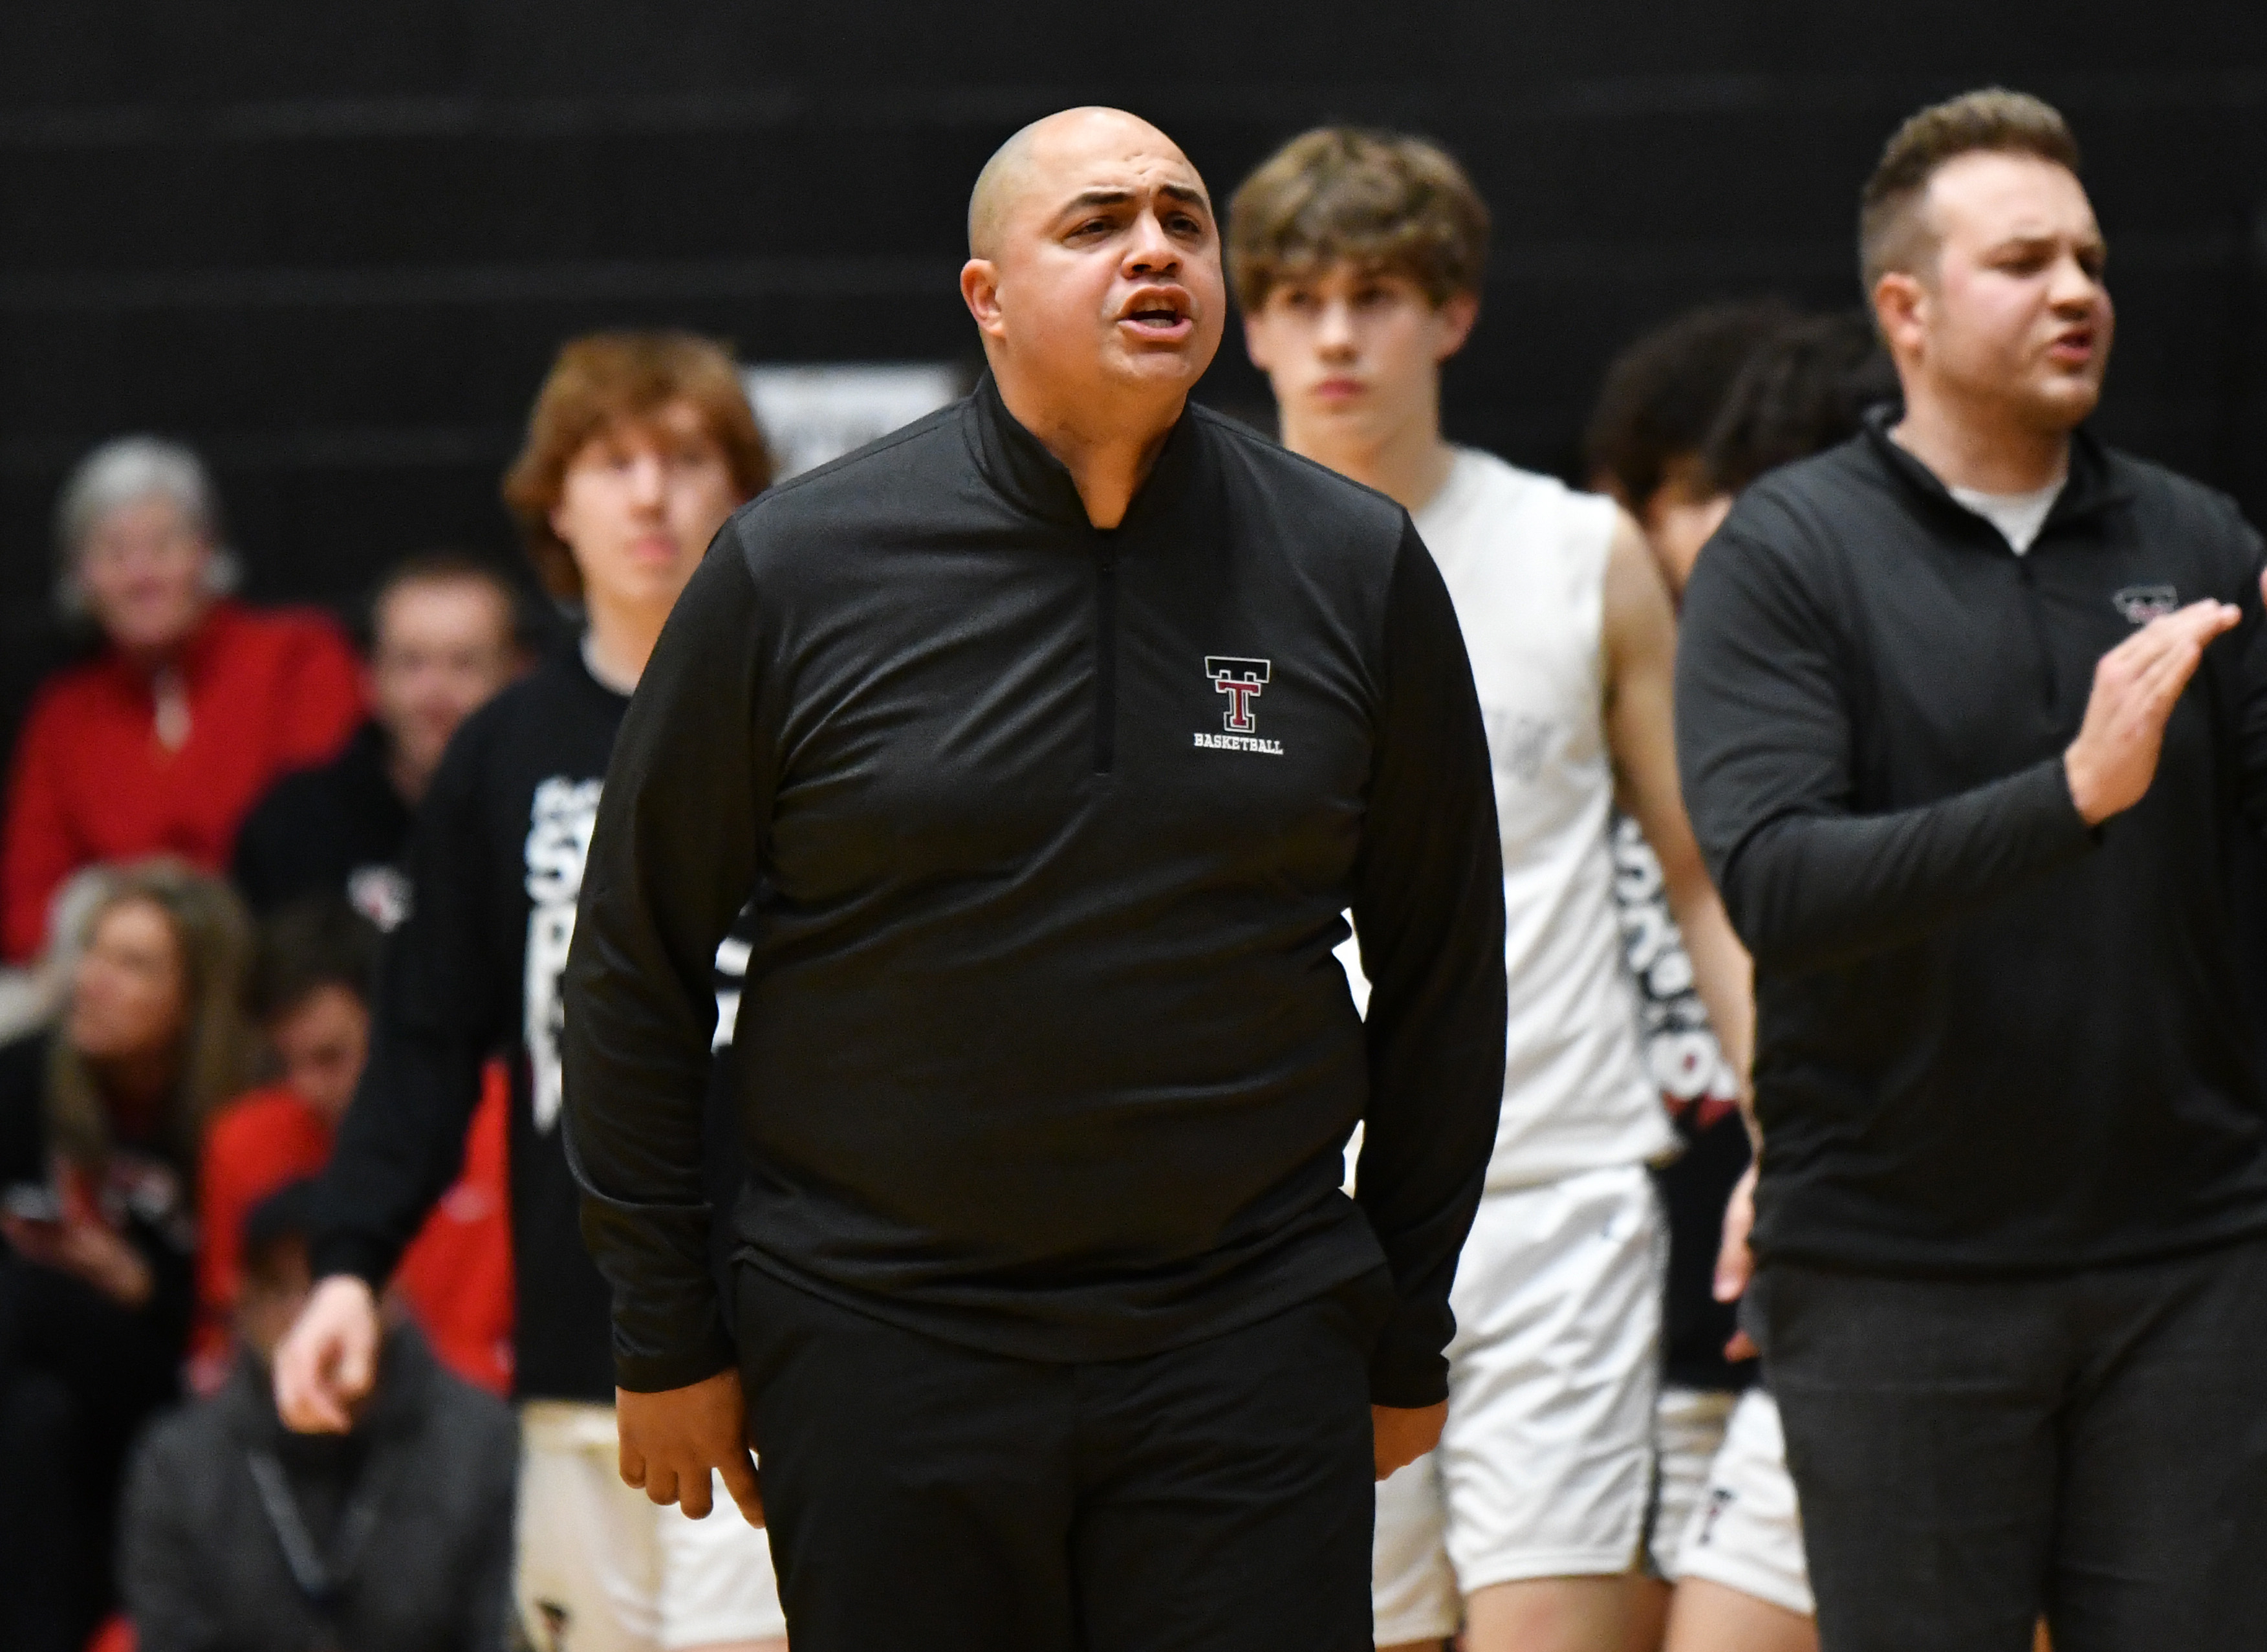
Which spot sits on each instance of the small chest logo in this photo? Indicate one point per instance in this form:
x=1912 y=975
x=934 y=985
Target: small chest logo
x=2140 y=604
x=380 y=893
x=1243 y=681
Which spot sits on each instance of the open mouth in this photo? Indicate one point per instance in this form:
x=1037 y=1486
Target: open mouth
x=1157 y=313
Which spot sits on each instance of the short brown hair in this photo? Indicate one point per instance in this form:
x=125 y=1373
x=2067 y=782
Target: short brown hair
x=1339 y=194
x=311 y=943
x=1995 y=120
x=443 y=566
x=608 y=379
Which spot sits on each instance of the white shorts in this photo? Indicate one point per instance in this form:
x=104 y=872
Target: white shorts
x=602 y=1569
x=1545 y=1467
x=1688 y=1430
x=1747 y=1532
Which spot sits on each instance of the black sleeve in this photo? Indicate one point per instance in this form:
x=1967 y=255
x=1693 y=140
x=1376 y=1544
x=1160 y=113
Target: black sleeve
x=1764 y=744
x=167 y=1245
x=1428 y=909
x=22 y=1113
x=2244 y=654
x=672 y=857
x=443 y=1004
x=252 y=867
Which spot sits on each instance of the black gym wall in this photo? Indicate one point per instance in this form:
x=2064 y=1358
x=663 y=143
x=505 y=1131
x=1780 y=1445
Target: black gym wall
x=333 y=245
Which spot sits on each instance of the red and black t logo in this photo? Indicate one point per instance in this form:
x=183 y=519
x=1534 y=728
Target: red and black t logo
x=1241 y=680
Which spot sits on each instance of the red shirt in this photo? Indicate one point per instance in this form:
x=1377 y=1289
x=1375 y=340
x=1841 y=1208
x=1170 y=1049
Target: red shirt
x=456 y=1276
x=268 y=693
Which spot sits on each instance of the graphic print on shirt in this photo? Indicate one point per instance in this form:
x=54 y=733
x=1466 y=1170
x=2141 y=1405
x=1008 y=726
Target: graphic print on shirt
x=560 y=822
x=1242 y=681
x=2140 y=604
x=1520 y=743
x=1697 y=1084
x=381 y=893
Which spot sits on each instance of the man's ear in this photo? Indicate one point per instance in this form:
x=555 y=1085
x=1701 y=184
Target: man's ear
x=980 y=290
x=1900 y=306
x=1454 y=322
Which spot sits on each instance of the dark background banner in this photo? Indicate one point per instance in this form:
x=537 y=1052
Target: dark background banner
x=333 y=245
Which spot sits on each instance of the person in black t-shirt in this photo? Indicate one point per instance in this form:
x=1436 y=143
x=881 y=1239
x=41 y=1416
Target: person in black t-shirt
x=1731 y=1537
x=444 y=639
x=1645 y=444
x=639 y=447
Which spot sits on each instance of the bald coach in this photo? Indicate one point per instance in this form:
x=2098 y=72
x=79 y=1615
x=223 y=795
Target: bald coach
x=1054 y=736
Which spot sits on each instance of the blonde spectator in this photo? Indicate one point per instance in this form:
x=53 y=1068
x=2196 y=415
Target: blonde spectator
x=99 y=1123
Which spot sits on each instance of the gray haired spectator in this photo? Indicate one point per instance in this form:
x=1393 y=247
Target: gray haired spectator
x=139 y=486
x=192 y=706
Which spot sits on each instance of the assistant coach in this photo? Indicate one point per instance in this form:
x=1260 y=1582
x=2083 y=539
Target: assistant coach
x=1972 y=715
x=1055 y=733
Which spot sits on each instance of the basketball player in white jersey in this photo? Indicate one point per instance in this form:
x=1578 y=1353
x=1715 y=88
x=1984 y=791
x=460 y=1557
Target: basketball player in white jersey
x=1357 y=258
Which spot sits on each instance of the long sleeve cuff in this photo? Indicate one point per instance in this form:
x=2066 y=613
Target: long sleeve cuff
x=658 y=1370
x=1409 y=1367
x=355 y=1254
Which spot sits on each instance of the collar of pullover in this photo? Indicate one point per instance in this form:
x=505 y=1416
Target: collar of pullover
x=2092 y=488
x=1033 y=479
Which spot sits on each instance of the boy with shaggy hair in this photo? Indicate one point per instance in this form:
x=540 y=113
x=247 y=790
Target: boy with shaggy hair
x=1359 y=258
x=639 y=446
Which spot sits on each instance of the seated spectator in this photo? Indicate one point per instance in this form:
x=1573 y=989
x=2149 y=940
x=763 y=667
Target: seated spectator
x=239 y=1534
x=98 y=1126
x=442 y=639
x=310 y=993
x=192 y=707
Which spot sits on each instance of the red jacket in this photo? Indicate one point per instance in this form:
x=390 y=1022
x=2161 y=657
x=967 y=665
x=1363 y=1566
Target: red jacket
x=456 y=1275
x=269 y=693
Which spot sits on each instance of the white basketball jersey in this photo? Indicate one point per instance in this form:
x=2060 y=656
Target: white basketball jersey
x=1524 y=558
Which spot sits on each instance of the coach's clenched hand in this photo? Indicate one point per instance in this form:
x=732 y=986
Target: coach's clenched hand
x=1398 y=1437
x=672 y=1441
x=326 y=1364
x=2110 y=764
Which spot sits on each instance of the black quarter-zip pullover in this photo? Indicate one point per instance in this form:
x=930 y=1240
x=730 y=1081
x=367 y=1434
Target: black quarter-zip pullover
x=1989 y=1039
x=1042 y=1049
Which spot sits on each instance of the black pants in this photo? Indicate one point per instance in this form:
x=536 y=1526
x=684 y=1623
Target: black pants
x=1215 y=1498
x=1969 y=1455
